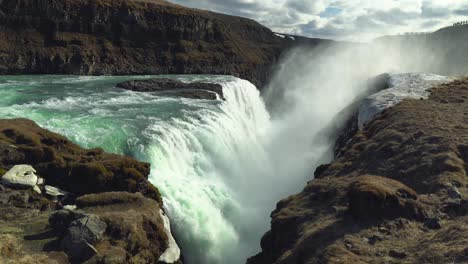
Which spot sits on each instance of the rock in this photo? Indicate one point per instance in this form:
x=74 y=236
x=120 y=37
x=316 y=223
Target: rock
x=88 y=228
x=70 y=207
x=54 y=191
x=22 y=176
x=454 y=193
x=433 y=223
x=171 y=87
x=61 y=220
x=456 y=208
x=81 y=250
x=399 y=254
x=81 y=235
x=374 y=197
x=69 y=167
x=135 y=227
x=37 y=189
x=172 y=253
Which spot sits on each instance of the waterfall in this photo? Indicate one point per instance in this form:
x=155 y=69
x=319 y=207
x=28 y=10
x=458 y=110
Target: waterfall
x=206 y=163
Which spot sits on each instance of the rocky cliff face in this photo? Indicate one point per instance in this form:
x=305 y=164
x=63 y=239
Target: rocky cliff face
x=132 y=37
x=397 y=193
x=88 y=205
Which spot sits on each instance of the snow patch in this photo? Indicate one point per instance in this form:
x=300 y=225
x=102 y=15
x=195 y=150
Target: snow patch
x=401 y=86
x=280 y=35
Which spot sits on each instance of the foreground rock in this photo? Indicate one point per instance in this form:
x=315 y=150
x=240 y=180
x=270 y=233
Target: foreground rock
x=93 y=206
x=170 y=87
x=396 y=194
x=67 y=166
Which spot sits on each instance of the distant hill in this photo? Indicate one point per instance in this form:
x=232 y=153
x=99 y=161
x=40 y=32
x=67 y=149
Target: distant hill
x=443 y=51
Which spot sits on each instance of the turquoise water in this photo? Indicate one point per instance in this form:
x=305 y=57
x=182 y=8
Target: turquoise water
x=197 y=148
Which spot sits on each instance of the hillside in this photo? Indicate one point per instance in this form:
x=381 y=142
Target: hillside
x=131 y=37
x=397 y=193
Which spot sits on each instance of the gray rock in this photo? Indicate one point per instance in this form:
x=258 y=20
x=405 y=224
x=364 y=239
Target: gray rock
x=81 y=235
x=433 y=223
x=22 y=176
x=81 y=251
x=89 y=228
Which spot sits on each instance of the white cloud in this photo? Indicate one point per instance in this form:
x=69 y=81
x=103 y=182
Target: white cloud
x=357 y=20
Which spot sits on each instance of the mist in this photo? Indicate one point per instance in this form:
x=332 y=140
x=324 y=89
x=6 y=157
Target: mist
x=311 y=87
x=241 y=159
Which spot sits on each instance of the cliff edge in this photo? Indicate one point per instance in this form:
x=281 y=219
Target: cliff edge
x=397 y=193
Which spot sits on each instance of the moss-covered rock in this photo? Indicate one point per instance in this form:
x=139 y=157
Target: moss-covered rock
x=68 y=166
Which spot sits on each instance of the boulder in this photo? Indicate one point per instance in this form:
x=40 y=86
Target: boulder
x=54 y=191
x=21 y=176
x=375 y=197
x=171 y=87
x=81 y=235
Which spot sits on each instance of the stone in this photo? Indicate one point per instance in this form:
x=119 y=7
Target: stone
x=89 y=228
x=170 y=87
x=54 y=191
x=21 y=175
x=172 y=253
x=456 y=208
x=37 y=189
x=81 y=250
x=70 y=207
x=433 y=223
x=399 y=254
x=454 y=193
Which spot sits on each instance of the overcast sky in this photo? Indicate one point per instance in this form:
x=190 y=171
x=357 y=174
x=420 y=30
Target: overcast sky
x=356 y=20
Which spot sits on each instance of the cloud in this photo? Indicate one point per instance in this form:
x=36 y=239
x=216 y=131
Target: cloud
x=355 y=20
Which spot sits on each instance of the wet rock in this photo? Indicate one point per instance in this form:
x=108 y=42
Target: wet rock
x=374 y=197
x=171 y=87
x=21 y=176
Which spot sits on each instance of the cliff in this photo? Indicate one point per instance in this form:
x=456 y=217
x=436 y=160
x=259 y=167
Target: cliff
x=116 y=37
x=397 y=192
x=81 y=205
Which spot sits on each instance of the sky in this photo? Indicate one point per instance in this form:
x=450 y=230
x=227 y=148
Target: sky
x=353 y=20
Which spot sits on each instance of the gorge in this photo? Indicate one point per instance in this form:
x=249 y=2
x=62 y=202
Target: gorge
x=221 y=164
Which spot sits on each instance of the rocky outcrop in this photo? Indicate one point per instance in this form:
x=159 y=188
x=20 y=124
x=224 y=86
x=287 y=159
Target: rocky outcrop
x=133 y=37
x=396 y=194
x=171 y=87
x=92 y=206
x=65 y=165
